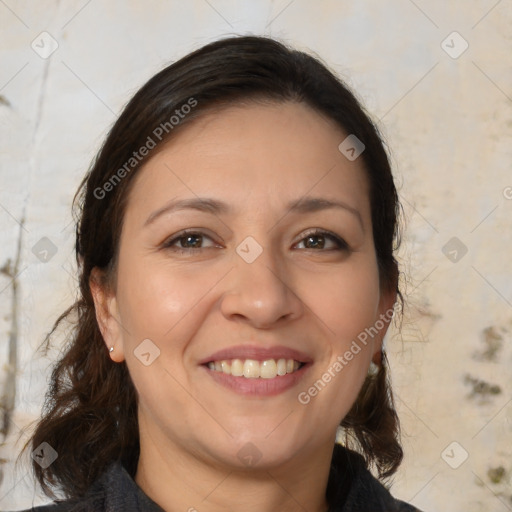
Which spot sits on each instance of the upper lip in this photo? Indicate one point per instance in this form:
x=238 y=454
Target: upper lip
x=257 y=353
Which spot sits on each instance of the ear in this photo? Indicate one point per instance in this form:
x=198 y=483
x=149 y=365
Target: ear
x=386 y=311
x=107 y=315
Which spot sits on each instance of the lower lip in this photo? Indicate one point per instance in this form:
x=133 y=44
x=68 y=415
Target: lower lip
x=259 y=387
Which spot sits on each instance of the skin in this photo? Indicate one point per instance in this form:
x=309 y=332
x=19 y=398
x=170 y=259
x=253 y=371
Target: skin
x=302 y=294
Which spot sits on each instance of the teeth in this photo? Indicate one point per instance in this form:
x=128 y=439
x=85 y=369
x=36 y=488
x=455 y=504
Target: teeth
x=281 y=367
x=226 y=367
x=268 y=369
x=237 y=368
x=252 y=369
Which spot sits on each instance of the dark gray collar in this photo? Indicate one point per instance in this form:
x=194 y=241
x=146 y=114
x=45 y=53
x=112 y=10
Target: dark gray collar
x=351 y=488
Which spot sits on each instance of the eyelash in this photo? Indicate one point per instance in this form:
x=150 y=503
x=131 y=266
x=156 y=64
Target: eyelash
x=169 y=244
x=339 y=242
x=183 y=234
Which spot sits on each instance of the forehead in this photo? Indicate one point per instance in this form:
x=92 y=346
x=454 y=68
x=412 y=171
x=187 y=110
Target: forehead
x=253 y=152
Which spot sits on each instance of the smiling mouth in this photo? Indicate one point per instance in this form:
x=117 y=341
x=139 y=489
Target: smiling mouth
x=253 y=369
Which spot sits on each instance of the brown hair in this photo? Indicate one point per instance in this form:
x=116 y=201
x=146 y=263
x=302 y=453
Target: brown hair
x=90 y=412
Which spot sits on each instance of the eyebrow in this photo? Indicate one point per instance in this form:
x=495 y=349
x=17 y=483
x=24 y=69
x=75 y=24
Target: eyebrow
x=316 y=204
x=209 y=205
x=202 y=204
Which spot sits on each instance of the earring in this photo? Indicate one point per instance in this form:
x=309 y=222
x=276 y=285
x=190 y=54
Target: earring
x=373 y=369
x=111 y=349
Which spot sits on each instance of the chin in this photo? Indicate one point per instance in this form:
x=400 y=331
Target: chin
x=257 y=451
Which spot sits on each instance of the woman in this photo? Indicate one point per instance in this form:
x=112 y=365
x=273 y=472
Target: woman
x=237 y=278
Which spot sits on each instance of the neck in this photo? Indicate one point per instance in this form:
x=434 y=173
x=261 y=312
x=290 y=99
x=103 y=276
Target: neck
x=179 y=481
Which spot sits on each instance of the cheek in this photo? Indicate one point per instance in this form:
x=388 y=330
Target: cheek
x=154 y=299
x=347 y=301
x=166 y=306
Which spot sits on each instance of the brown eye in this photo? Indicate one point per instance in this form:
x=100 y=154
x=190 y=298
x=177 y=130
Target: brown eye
x=323 y=240
x=315 y=242
x=189 y=241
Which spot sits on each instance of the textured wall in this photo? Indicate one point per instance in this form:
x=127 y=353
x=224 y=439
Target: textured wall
x=438 y=78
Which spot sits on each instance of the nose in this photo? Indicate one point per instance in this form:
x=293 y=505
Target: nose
x=260 y=293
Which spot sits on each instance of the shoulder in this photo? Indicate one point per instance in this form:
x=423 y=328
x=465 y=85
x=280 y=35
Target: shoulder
x=365 y=492
x=114 y=491
x=53 y=507
x=86 y=504
x=65 y=506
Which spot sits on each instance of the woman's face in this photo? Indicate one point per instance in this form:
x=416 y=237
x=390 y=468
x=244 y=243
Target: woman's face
x=247 y=253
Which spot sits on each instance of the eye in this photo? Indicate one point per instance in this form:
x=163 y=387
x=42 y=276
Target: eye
x=323 y=240
x=188 y=240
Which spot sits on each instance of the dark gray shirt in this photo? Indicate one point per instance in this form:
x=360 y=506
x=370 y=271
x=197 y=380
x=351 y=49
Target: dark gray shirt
x=351 y=488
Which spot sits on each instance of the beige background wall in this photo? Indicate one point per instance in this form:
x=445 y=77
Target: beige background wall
x=447 y=116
